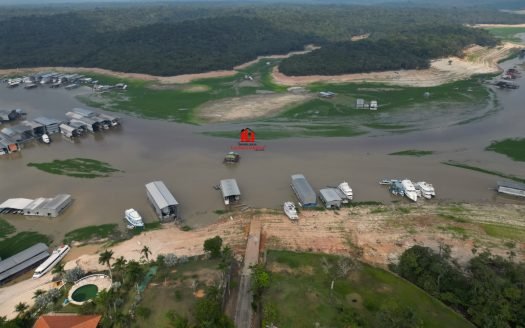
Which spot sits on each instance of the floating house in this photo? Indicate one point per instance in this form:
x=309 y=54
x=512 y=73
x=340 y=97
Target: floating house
x=230 y=191
x=23 y=261
x=69 y=131
x=511 y=188
x=51 y=125
x=37 y=129
x=304 y=192
x=330 y=198
x=7 y=145
x=163 y=202
x=84 y=112
x=10 y=115
x=90 y=124
x=48 y=207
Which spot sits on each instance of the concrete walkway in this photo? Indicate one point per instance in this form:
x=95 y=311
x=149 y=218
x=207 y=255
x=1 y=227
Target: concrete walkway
x=243 y=310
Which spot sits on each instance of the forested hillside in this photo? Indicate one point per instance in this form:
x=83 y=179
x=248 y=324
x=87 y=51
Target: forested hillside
x=172 y=39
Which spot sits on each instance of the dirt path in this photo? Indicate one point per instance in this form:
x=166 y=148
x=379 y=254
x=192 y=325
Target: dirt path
x=477 y=60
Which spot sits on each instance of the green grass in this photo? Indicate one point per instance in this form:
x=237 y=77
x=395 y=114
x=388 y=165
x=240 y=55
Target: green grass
x=482 y=170
x=76 y=167
x=412 y=152
x=506 y=33
x=513 y=148
x=11 y=245
x=504 y=232
x=91 y=232
x=451 y=217
x=6 y=228
x=457 y=231
x=301 y=294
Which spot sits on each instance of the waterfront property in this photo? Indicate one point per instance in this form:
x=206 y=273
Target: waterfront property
x=51 y=125
x=49 y=207
x=10 y=115
x=23 y=261
x=8 y=145
x=87 y=288
x=304 y=192
x=55 y=320
x=230 y=191
x=165 y=205
x=511 y=188
x=330 y=198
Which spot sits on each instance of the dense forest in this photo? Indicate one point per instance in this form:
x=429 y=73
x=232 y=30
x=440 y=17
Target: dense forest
x=490 y=291
x=172 y=39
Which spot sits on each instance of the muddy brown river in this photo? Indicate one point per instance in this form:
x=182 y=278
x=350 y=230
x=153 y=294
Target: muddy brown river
x=191 y=163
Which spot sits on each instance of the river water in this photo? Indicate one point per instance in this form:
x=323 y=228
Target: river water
x=191 y=163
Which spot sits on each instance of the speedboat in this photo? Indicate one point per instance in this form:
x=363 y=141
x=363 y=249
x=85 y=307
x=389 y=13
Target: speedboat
x=409 y=190
x=346 y=190
x=290 y=211
x=427 y=189
x=57 y=255
x=46 y=139
x=134 y=218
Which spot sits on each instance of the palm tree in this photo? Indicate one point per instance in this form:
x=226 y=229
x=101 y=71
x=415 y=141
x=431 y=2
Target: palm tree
x=58 y=270
x=21 y=308
x=119 y=265
x=38 y=292
x=104 y=258
x=145 y=251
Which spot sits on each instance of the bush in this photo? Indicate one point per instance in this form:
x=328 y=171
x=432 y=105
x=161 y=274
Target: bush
x=70 y=276
x=213 y=246
x=170 y=260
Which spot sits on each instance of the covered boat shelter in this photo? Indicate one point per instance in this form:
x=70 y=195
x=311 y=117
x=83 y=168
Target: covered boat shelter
x=23 y=261
x=230 y=191
x=511 y=188
x=163 y=202
x=330 y=198
x=304 y=192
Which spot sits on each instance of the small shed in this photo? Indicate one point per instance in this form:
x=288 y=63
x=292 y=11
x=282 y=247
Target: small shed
x=359 y=103
x=330 y=198
x=163 y=202
x=69 y=131
x=230 y=191
x=304 y=192
x=511 y=188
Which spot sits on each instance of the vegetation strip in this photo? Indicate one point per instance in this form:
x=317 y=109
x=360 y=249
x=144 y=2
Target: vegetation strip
x=513 y=148
x=76 y=167
x=12 y=245
x=91 y=232
x=412 y=152
x=6 y=228
x=475 y=168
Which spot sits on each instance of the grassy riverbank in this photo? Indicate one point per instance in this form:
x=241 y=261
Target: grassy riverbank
x=513 y=148
x=506 y=33
x=482 y=170
x=9 y=246
x=76 y=167
x=412 y=152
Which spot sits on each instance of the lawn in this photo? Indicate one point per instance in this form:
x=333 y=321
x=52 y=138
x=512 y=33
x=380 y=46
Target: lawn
x=76 y=167
x=11 y=245
x=412 y=152
x=504 y=232
x=91 y=232
x=506 y=33
x=172 y=290
x=6 y=228
x=482 y=170
x=300 y=295
x=513 y=148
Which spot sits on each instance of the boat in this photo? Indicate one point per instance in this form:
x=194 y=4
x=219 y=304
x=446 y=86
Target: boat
x=409 y=190
x=46 y=139
x=290 y=211
x=232 y=157
x=346 y=190
x=13 y=82
x=57 y=255
x=134 y=218
x=427 y=189
x=385 y=182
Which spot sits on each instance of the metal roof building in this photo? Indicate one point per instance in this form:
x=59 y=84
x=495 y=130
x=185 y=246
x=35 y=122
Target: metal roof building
x=51 y=207
x=84 y=112
x=330 y=198
x=23 y=261
x=51 y=125
x=165 y=205
x=511 y=188
x=304 y=192
x=91 y=124
x=230 y=191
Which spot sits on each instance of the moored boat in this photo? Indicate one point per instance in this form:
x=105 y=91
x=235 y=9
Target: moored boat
x=427 y=189
x=346 y=190
x=409 y=190
x=133 y=218
x=290 y=211
x=57 y=255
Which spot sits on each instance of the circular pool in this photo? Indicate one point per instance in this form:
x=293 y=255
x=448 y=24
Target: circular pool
x=85 y=293
x=87 y=288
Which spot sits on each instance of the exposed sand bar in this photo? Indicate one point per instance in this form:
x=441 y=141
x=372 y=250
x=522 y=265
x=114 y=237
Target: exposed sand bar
x=185 y=78
x=476 y=60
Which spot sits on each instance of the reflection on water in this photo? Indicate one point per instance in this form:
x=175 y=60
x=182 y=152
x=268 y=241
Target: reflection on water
x=190 y=163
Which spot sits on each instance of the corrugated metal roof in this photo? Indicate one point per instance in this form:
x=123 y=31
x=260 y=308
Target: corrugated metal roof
x=229 y=188
x=511 y=184
x=57 y=201
x=46 y=121
x=16 y=203
x=303 y=190
x=22 y=256
x=65 y=127
x=160 y=194
x=36 y=204
x=330 y=195
x=84 y=112
x=24 y=265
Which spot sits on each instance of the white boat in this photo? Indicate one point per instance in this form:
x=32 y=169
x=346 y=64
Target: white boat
x=409 y=190
x=290 y=211
x=57 y=255
x=427 y=189
x=385 y=182
x=134 y=218
x=13 y=82
x=46 y=139
x=346 y=190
